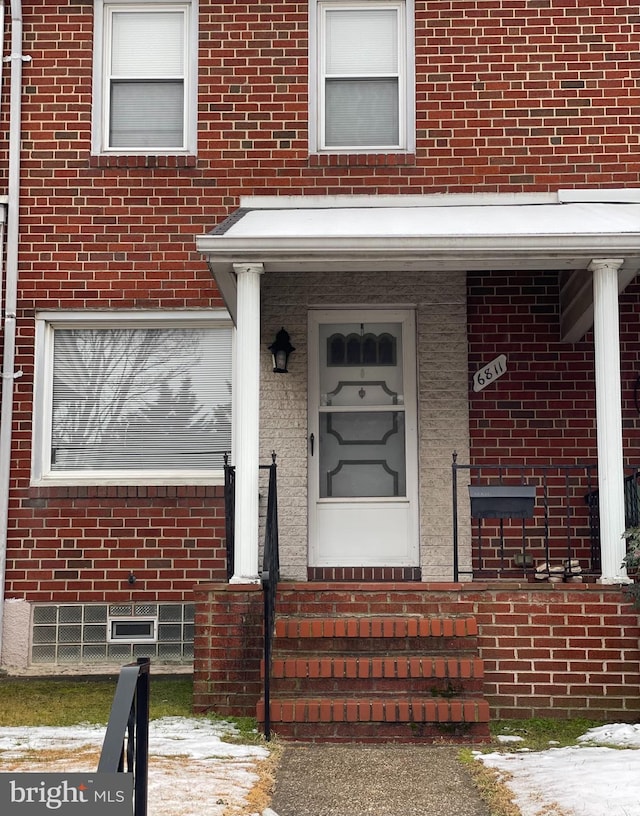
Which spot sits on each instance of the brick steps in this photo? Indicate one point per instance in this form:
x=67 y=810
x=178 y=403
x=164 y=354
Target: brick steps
x=376 y=627
x=370 y=678
x=437 y=676
x=398 y=720
x=378 y=667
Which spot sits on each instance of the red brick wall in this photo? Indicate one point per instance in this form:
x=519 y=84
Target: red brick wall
x=82 y=544
x=511 y=96
x=549 y=651
x=545 y=405
x=560 y=652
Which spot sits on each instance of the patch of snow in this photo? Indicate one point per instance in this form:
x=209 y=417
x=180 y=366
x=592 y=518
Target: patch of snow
x=188 y=761
x=579 y=781
x=621 y=734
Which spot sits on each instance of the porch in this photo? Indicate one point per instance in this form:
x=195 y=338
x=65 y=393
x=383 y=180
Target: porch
x=405 y=661
x=397 y=309
x=368 y=439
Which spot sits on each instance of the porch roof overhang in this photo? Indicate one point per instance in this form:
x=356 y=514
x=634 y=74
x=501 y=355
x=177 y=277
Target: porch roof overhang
x=562 y=231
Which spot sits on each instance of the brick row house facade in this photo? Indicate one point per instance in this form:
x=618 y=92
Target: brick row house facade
x=439 y=204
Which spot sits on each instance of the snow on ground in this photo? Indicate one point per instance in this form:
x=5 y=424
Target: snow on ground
x=586 y=780
x=189 y=763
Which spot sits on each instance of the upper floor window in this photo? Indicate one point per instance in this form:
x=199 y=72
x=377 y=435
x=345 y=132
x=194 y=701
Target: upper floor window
x=145 y=75
x=131 y=397
x=363 y=59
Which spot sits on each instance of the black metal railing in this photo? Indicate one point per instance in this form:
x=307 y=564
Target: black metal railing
x=631 y=504
x=269 y=578
x=554 y=533
x=229 y=512
x=270 y=564
x=562 y=531
x=126 y=743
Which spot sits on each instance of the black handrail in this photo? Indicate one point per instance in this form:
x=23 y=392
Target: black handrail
x=270 y=565
x=269 y=578
x=127 y=735
x=229 y=512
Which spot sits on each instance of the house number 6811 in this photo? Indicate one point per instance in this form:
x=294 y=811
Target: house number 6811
x=489 y=373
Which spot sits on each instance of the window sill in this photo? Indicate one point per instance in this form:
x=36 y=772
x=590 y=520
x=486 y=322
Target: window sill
x=362 y=160
x=146 y=162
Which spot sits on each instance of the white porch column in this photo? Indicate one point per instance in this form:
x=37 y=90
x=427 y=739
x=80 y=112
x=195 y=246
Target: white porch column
x=247 y=422
x=606 y=331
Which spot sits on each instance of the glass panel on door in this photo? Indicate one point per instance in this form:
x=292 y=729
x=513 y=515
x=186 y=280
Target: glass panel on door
x=362 y=412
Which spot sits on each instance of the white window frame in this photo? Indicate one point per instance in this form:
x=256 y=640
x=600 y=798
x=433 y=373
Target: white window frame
x=103 y=11
x=406 y=79
x=46 y=324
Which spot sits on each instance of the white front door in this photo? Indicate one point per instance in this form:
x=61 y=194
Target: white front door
x=362 y=439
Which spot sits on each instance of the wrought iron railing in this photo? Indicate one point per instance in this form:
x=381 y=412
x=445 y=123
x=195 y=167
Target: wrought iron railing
x=126 y=743
x=631 y=503
x=558 y=539
x=270 y=564
x=229 y=512
x=270 y=577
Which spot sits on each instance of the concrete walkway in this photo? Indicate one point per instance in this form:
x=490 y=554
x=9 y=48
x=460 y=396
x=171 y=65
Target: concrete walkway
x=384 y=780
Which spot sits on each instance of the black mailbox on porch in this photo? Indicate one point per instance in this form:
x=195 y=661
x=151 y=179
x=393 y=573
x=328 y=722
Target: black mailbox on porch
x=502 y=501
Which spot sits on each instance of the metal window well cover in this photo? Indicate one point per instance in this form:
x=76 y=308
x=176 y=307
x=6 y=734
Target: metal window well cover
x=502 y=501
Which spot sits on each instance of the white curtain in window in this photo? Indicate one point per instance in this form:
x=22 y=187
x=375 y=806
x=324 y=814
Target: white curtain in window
x=147 y=79
x=141 y=399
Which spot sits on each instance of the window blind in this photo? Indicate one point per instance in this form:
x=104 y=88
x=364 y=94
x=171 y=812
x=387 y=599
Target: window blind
x=147 y=44
x=141 y=399
x=361 y=78
x=147 y=85
x=362 y=112
x=362 y=41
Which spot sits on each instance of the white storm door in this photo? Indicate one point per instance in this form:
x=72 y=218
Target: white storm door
x=362 y=439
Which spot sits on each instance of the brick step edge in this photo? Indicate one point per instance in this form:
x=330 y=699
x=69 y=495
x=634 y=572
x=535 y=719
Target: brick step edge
x=432 y=710
x=375 y=733
x=363 y=668
x=375 y=627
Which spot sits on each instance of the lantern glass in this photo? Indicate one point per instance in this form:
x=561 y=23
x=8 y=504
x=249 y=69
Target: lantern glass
x=280 y=350
x=280 y=361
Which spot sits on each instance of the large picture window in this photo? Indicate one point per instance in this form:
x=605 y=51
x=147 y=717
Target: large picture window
x=145 y=58
x=363 y=76
x=120 y=396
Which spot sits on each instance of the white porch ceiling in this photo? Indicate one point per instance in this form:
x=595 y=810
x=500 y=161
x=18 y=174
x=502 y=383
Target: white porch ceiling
x=561 y=231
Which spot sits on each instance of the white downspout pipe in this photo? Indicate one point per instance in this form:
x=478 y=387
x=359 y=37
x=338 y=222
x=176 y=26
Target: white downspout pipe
x=9 y=374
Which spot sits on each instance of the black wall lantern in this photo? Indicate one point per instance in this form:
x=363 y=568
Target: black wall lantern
x=280 y=350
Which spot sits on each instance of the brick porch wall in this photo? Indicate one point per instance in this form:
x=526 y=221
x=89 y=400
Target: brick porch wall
x=549 y=651
x=228 y=647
